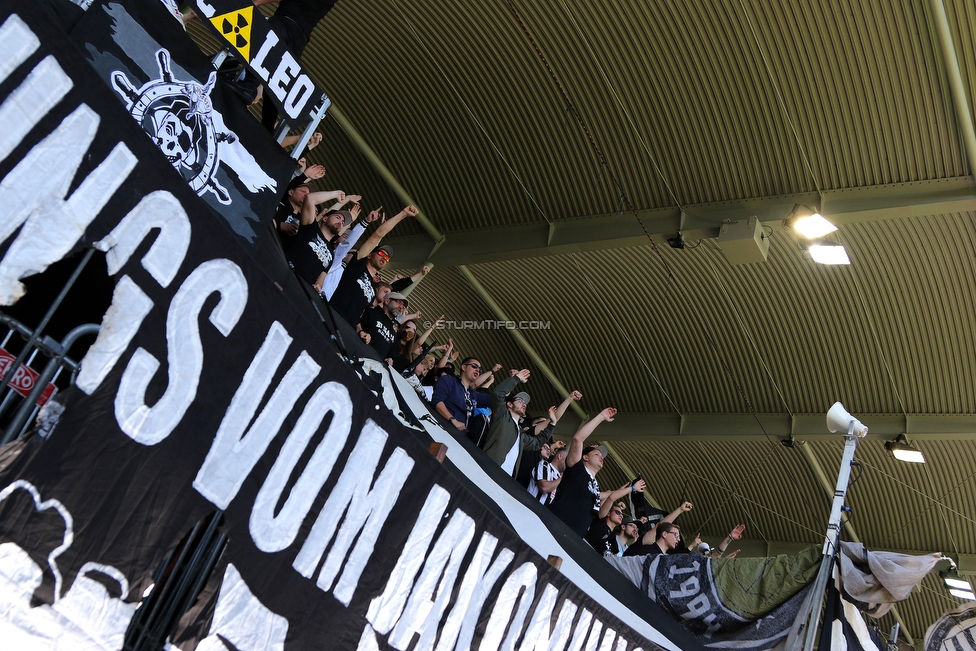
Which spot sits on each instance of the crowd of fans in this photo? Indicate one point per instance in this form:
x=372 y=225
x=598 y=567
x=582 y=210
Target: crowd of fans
x=320 y=231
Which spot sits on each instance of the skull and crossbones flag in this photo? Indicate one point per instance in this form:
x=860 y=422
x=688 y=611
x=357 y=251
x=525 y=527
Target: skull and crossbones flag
x=173 y=92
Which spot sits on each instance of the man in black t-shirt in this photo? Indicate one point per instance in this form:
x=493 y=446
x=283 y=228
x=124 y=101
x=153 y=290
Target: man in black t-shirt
x=288 y=214
x=310 y=252
x=355 y=290
x=648 y=540
x=600 y=534
x=668 y=537
x=380 y=324
x=579 y=499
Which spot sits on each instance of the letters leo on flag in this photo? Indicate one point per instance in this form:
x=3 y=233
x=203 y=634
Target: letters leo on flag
x=248 y=32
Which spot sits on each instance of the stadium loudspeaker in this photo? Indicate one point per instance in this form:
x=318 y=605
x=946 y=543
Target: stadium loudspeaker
x=839 y=420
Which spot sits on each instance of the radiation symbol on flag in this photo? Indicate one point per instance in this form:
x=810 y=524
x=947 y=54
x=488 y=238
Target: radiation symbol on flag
x=236 y=28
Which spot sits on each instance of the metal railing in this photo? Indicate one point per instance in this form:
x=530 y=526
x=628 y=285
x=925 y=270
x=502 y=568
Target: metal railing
x=25 y=389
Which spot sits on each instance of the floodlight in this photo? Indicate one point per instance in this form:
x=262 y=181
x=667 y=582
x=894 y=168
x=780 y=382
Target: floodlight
x=902 y=450
x=963 y=594
x=813 y=226
x=829 y=254
x=958 y=584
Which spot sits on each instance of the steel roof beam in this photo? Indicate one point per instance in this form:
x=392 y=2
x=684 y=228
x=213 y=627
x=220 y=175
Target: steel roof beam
x=957 y=86
x=617 y=230
x=660 y=427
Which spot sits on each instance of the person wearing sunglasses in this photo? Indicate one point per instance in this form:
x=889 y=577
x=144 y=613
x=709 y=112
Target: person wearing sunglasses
x=600 y=534
x=455 y=399
x=355 y=289
x=579 y=499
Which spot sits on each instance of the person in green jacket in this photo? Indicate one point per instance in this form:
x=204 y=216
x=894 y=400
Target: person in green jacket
x=506 y=440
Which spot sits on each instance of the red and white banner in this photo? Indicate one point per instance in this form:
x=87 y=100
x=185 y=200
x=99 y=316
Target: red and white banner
x=24 y=379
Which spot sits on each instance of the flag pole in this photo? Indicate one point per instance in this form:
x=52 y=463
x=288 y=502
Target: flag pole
x=837 y=420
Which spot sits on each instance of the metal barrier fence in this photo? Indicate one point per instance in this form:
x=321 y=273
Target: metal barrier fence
x=25 y=390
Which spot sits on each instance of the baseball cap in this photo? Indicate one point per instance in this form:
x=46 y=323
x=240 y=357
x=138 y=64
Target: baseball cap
x=602 y=448
x=397 y=296
x=521 y=395
x=298 y=182
x=346 y=215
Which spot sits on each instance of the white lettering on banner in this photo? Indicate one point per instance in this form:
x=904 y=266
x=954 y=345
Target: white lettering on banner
x=696 y=607
x=51 y=224
x=242 y=620
x=44 y=87
x=283 y=75
x=414 y=604
x=121 y=322
x=518 y=590
x=609 y=635
x=236 y=448
x=428 y=598
x=160 y=210
x=363 y=511
x=291 y=91
x=17 y=42
x=556 y=639
x=537 y=634
x=478 y=580
x=299 y=94
x=150 y=425
x=384 y=611
x=130 y=304
x=579 y=633
x=367 y=642
x=257 y=63
x=594 y=637
x=272 y=533
x=206 y=8
x=689 y=586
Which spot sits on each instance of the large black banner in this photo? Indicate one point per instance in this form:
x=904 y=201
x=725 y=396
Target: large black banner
x=207 y=390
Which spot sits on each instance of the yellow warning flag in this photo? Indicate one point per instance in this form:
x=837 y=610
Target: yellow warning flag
x=236 y=28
